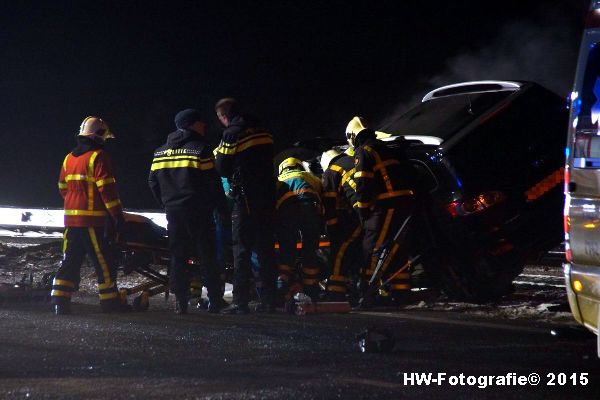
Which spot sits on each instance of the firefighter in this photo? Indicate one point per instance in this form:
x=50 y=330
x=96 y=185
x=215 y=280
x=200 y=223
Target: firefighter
x=184 y=182
x=92 y=209
x=245 y=158
x=342 y=224
x=384 y=200
x=298 y=219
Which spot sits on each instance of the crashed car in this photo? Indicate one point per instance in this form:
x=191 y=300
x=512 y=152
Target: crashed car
x=489 y=159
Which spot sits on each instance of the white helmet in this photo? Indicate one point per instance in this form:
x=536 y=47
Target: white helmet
x=355 y=126
x=326 y=158
x=95 y=128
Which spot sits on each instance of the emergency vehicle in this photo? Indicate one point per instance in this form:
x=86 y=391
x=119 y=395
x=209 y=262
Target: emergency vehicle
x=582 y=181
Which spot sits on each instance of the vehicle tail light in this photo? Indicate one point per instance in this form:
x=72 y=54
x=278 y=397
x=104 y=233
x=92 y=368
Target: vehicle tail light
x=568 y=254
x=475 y=204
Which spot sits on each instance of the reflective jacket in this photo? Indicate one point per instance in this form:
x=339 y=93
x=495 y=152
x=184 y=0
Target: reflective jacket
x=381 y=177
x=245 y=158
x=183 y=175
x=339 y=188
x=294 y=186
x=88 y=186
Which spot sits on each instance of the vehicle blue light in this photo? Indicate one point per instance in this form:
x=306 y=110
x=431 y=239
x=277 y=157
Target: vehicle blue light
x=567 y=152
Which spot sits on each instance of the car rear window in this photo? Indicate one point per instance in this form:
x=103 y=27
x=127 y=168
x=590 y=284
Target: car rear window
x=443 y=117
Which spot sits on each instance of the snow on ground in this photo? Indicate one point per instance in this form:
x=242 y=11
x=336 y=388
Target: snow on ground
x=540 y=295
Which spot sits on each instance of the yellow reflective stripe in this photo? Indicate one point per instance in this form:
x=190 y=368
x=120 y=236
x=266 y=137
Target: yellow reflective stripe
x=101 y=260
x=106 y=285
x=254 y=142
x=108 y=296
x=347 y=177
x=294 y=193
x=65 y=240
x=330 y=194
x=363 y=174
x=192 y=157
x=62 y=282
x=182 y=164
x=336 y=168
x=395 y=193
x=331 y=221
x=76 y=177
x=360 y=204
x=385 y=164
x=225 y=150
x=62 y=185
x=337 y=265
x=338 y=278
x=106 y=181
x=85 y=213
x=349 y=151
x=90 y=183
x=112 y=204
x=60 y=293
x=65 y=161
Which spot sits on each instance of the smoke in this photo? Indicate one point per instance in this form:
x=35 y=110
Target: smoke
x=544 y=52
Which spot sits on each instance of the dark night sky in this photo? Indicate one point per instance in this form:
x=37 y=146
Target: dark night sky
x=304 y=67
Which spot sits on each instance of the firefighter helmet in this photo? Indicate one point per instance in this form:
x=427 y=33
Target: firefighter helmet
x=327 y=157
x=355 y=126
x=291 y=162
x=95 y=128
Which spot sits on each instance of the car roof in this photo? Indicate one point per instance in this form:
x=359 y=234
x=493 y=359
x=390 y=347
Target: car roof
x=472 y=87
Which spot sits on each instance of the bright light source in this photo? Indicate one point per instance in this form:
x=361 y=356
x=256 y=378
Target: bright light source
x=574 y=95
x=577 y=286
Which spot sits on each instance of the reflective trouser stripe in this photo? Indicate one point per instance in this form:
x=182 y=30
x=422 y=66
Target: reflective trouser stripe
x=100 y=256
x=336 y=283
x=337 y=266
x=60 y=293
x=63 y=282
x=310 y=275
x=107 y=296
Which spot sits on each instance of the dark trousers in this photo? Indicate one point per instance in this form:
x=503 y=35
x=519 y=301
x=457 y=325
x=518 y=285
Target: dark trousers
x=77 y=243
x=252 y=230
x=346 y=249
x=380 y=227
x=299 y=221
x=192 y=235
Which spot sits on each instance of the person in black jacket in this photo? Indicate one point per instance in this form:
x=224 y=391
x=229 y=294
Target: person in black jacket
x=245 y=158
x=384 y=200
x=184 y=182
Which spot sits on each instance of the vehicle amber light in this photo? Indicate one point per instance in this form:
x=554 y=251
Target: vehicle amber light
x=471 y=205
x=577 y=286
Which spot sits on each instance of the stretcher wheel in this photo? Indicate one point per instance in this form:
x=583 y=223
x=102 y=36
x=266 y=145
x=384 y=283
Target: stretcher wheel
x=141 y=302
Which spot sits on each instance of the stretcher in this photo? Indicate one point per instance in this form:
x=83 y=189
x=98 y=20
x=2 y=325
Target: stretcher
x=143 y=248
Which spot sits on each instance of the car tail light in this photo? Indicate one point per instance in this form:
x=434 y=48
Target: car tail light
x=475 y=204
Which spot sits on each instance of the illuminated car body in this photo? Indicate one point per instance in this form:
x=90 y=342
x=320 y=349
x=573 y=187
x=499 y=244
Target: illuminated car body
x=582 y=188
x=489 y=158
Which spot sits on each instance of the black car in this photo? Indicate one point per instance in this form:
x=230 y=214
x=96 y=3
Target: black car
x=489 y=158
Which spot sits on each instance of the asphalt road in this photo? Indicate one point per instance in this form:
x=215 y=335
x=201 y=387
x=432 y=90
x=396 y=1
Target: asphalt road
x=160 y=355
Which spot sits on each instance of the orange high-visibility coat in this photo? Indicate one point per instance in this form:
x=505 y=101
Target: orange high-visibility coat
x=89 y=189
